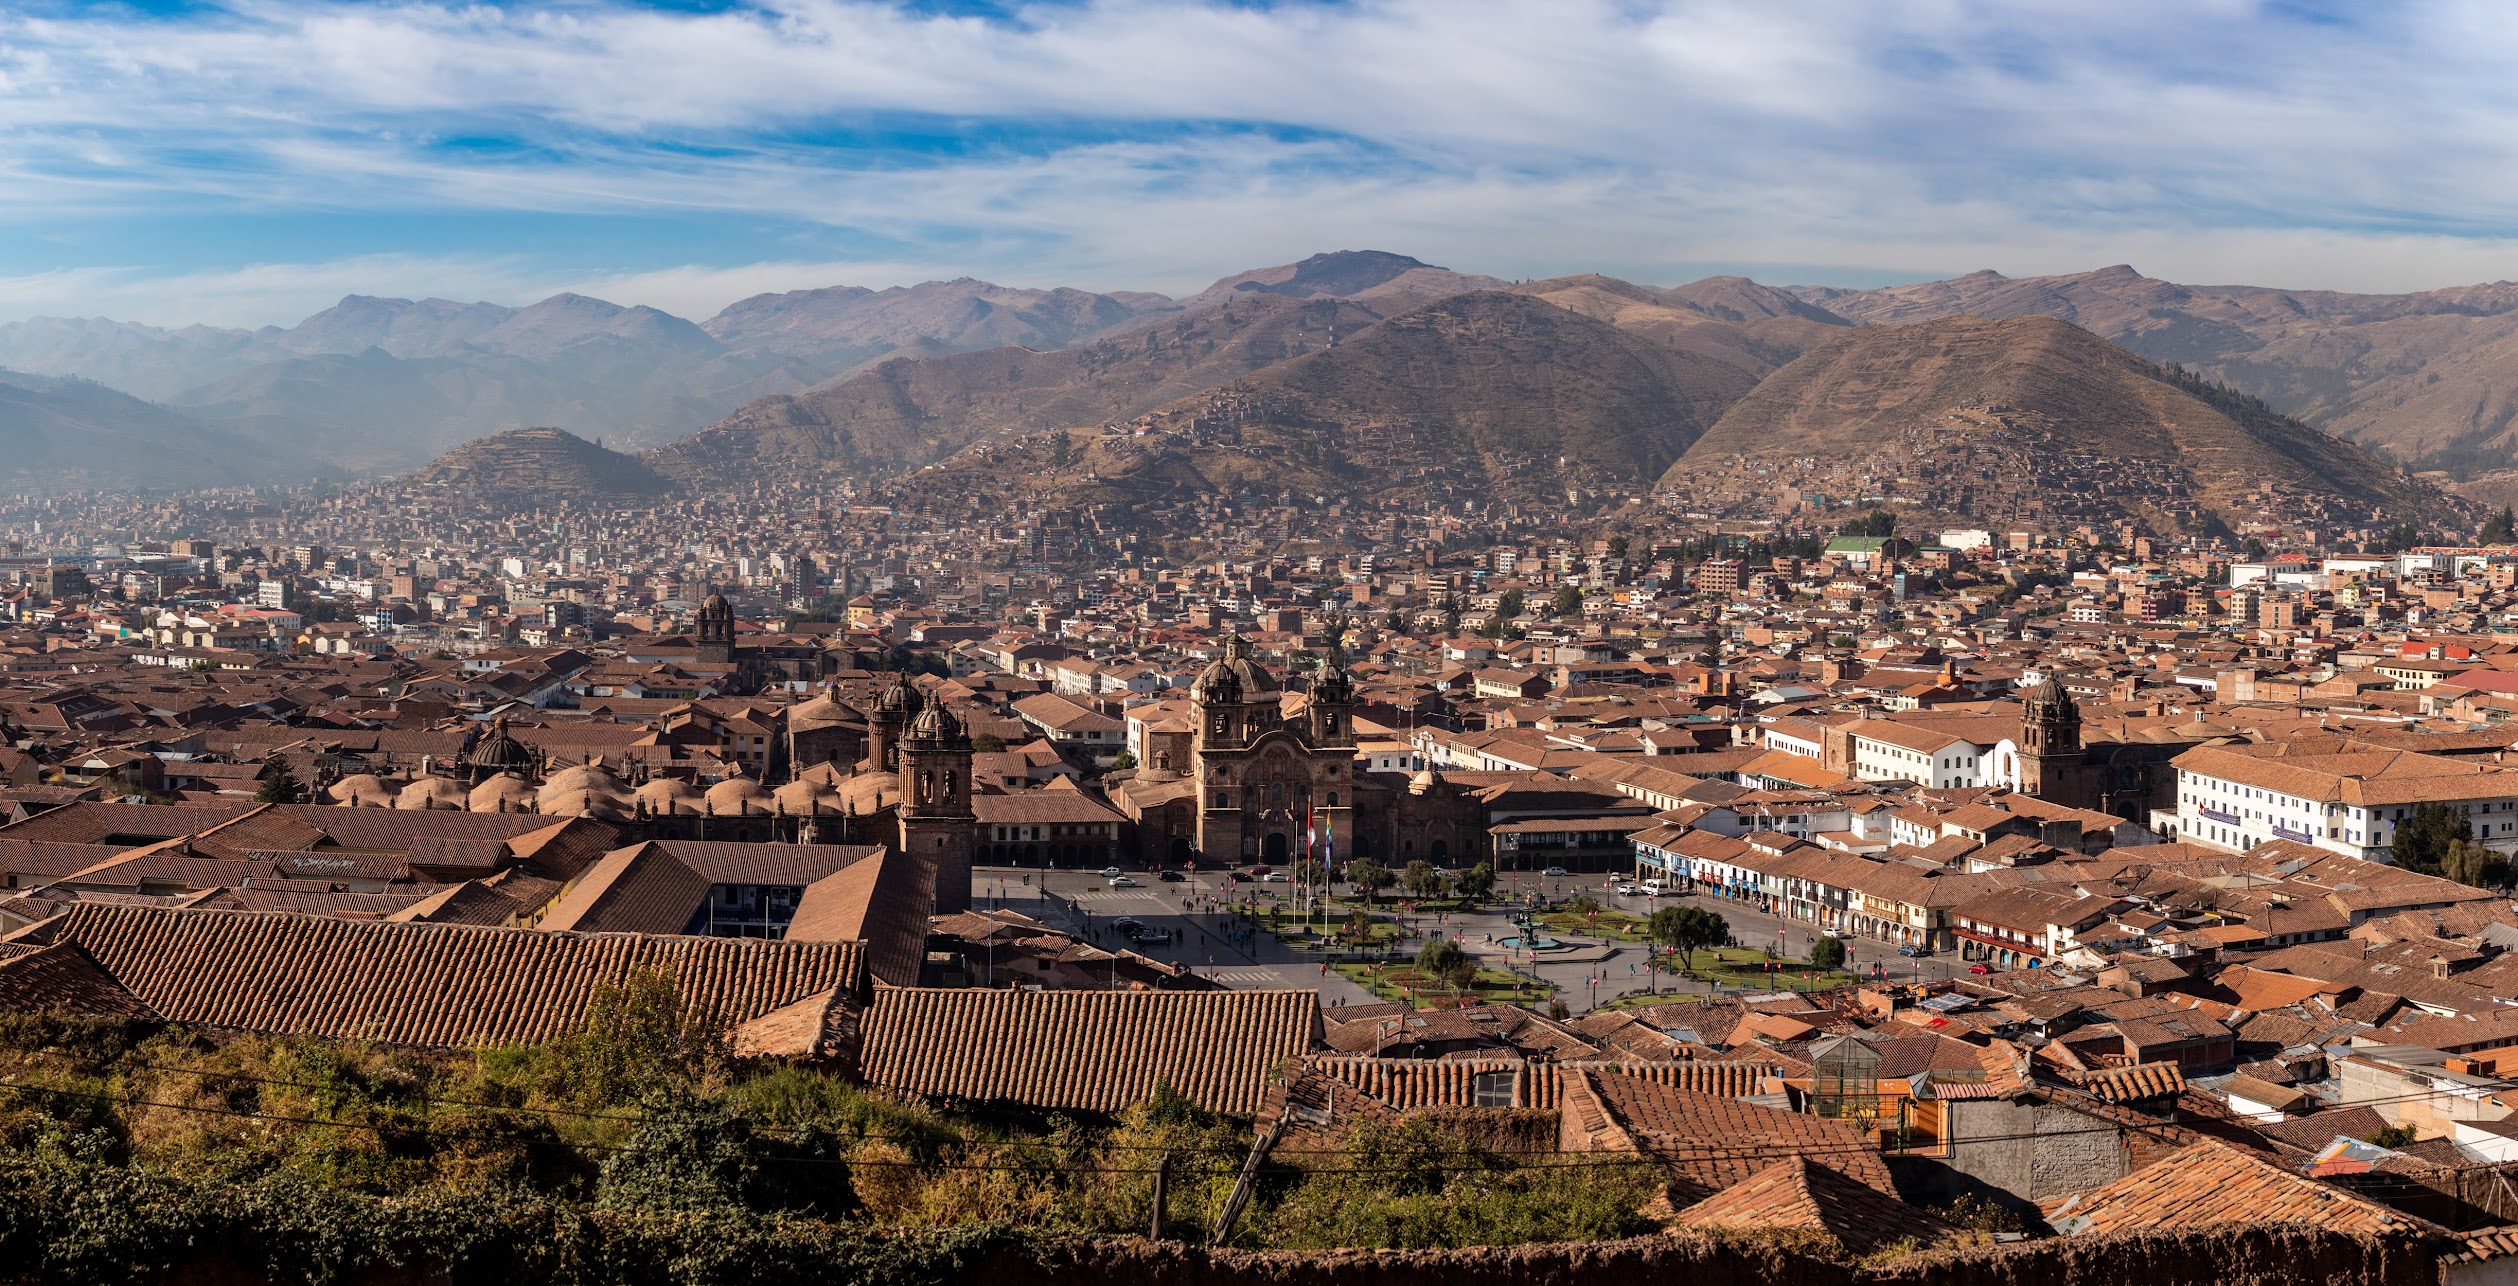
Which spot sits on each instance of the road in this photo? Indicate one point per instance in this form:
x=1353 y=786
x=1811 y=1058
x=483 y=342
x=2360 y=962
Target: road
x=1085 y=902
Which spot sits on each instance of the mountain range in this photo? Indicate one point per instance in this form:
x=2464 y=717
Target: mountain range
x=1601 y=382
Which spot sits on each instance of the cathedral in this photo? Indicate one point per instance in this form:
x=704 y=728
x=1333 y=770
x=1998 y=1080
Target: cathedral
x=1245 y=782
x=2127 y=778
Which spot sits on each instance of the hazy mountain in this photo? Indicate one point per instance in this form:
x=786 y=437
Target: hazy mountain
x=144 y=361
x=540 y=462
x=376 y=383
x=2431 y=377
x=76 y=433
x=2040 y=386
x=851 y=324
x=1484 y=396
x=1388 y=283
x=1326 y=311
x=907 y=412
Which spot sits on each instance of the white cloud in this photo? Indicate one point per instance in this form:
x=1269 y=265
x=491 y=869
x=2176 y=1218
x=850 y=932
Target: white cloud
x=1156 y=145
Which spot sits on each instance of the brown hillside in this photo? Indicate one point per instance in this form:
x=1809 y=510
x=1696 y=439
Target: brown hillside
x=909 y=412
x=1722 y=319
x=542 y=461
x=2058 y=387
x=1482 y=396
x=2431 y=377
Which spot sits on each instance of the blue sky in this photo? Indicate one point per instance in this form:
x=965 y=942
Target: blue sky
x=248 y=162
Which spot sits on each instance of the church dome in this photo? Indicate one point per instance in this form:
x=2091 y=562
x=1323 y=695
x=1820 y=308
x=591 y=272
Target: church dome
x=716 y=605
x=587 y=790
x=2049 y=696
x=738 y=796
x=431 y=792
x=939 y=727
x=500 y=752
x=820 y=712
x=361 y=790
x=504 y=793
x=805 y=797
x=1423 y=781
x=1233 y=677
x=900 y=702
x=671 y=797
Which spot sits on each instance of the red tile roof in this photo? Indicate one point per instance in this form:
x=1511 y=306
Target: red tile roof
x=1089 y=1050
x=2209 y=1183
x=433 y=985
x=1801 y=1193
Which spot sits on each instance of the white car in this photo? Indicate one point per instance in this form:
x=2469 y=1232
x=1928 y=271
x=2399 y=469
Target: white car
x=1553 y=871
x=1122 y=882
x=1627 y=890
x=1273 y=877
x=1110 y=872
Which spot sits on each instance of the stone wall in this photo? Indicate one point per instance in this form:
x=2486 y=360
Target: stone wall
x=2254 y=1255
x=2034 y=1150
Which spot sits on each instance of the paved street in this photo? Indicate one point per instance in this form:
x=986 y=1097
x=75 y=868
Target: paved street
x=1083 y=902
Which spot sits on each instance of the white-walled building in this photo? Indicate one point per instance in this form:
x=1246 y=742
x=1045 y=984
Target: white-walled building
x=2349 y=800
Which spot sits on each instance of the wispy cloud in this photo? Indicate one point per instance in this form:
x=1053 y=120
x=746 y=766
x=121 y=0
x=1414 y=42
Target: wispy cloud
x=1131 y=143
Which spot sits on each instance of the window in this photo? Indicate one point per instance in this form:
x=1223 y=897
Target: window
x=1494 y=1089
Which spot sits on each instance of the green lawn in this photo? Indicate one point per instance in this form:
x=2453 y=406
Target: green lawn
x=1617 y=925
x=1401 y=982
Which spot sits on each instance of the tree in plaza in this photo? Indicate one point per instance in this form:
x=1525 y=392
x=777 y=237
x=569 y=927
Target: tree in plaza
x=1370 y=876
x=2422 y=840
x=1421 y=880
x=1686 y=930
x=1476 y=882
x=1827 y=953
x=1443 y=961
x=1311 y=873
x=1358 y=927
x=278 y=785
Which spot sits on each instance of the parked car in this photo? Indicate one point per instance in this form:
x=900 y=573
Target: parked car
x=1914 y=952
x=1122 y=882
x=1980 y=968
x=1628 y=890
x=1555 y=870
x=1127 y=924
x=1171 y=877
x=1110 y=872
x=1151 y=937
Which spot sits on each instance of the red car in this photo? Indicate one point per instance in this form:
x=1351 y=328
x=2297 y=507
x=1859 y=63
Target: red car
x=1980 y=968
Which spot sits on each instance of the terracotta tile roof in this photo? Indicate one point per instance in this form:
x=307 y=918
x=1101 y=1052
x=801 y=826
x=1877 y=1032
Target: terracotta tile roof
x=2208 y=1183
x=432 y=985
x=1413 y=1084
x=639 y=889
x=1095 y=1051
x=1709 y=1144
x=2132 y=1084
x=885 y=901
x=820 y=1026
x=58 y=977
x=1801 y=1193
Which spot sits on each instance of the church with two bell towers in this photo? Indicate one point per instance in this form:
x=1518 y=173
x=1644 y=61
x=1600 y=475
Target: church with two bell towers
x=1266 y=784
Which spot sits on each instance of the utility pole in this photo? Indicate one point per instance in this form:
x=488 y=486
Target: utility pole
x=1162 y=1175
